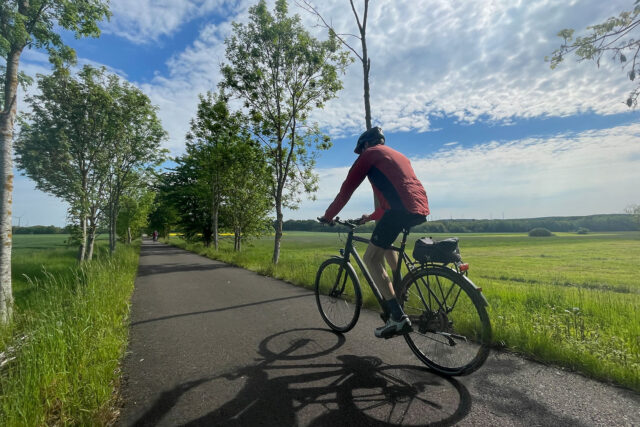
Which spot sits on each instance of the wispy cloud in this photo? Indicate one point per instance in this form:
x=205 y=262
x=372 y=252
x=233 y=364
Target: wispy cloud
x=468 y=60
x=146 y=21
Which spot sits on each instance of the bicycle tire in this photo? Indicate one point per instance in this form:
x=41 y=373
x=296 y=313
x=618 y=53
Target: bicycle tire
x=451 y=327
x=338 y=294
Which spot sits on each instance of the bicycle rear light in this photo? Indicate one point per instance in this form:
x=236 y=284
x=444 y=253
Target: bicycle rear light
x=463 y=267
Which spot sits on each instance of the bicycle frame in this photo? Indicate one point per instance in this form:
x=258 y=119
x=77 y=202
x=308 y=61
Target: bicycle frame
x=402 y=258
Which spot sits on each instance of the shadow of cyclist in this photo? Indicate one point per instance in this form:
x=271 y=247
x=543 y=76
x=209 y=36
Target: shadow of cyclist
x=294 y=385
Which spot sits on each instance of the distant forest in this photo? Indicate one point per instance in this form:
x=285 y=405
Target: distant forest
x=39 y=229
x=609 y=222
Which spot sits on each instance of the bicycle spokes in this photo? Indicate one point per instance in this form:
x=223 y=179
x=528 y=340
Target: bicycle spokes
x=451 y=330
x=338 y=295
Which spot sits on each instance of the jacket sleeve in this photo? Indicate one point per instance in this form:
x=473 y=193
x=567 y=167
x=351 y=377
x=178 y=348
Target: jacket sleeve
x=356 y=175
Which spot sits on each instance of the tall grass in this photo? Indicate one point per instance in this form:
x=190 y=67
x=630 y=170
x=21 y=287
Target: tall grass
x=63 y=350
x=569 y=299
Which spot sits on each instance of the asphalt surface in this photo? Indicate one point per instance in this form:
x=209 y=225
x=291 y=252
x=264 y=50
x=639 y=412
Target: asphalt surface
x=211 y=344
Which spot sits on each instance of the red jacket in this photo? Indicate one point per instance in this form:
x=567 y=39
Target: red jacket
x=393 y=180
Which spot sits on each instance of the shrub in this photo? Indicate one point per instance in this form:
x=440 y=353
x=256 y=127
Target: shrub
x=540 y=232
x=582 y=230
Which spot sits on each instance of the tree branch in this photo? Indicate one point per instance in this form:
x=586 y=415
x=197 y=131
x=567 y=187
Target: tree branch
x=311 y=9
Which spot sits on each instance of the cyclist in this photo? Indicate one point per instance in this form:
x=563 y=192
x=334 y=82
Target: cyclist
x=403 y=204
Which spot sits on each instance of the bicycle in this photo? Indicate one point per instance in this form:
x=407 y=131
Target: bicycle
x=451 y=331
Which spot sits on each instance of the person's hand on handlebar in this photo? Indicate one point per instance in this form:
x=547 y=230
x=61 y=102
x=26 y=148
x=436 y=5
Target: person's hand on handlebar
x=364 y=219
x=326 y=221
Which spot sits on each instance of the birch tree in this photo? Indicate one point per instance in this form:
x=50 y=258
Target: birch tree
x=87 y=141
x=64 y=145
x=25 y=24
x=135 y=141
x=213 y=131
x=282 y=74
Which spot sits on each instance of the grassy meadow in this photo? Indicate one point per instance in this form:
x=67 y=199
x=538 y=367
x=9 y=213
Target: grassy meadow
x=61 y=355
x=569 y=299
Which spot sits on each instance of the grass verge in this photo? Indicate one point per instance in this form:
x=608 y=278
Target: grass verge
x=570 y=300
x=62 y=352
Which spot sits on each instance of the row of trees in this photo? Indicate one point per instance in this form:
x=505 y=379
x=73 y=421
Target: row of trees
x=39 y=229
x=25 y=24
x=90 y=140
x=240 y=166
x=222 y=180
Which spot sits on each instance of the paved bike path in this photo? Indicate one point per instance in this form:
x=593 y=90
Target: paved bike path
x=212 y=344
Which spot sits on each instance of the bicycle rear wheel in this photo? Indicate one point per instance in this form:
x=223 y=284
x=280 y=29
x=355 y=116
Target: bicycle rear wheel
x=451 y=328
x=338 y=294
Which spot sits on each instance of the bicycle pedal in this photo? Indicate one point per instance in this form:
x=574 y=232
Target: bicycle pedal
x=391 y=334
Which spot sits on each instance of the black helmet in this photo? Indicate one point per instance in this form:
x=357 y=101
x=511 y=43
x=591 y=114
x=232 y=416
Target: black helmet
x=372 y=135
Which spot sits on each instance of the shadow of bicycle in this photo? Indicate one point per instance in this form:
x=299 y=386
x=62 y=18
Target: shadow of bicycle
x=300 y=381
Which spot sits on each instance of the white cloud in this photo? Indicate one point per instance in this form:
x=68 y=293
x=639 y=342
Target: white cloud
x=469 y=60
x=146 y=21
x=473 y=59
x=192 y=72
x=587 y=173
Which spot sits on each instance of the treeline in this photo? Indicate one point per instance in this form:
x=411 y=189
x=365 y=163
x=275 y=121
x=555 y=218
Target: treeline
x=250 y=159
x=92 y=139
x=39 y=229
x=609 y=222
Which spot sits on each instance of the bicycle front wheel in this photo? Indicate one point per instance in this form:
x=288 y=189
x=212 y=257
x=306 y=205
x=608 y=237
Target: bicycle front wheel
x=338 y=294
x=451 y=328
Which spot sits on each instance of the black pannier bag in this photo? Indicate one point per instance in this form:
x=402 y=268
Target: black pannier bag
x=440 y=251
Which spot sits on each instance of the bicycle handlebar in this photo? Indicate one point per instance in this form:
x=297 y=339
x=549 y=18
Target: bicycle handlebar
x=351 y=223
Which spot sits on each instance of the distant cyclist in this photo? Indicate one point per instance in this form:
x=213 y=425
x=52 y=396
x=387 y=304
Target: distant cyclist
x=155 y=236
x=403 y=204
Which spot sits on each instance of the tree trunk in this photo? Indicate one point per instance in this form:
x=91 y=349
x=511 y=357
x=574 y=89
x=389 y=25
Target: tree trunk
x=366 y=65
x=236 y=239
x=7 y=117
x=90 y=242
x=112 y=237
x=112 y=230
x=93 y=229
x=214 y=223
x=366 y=62
x=113 y=220
x=129 y=239
x=83 y=238
x=278 y=237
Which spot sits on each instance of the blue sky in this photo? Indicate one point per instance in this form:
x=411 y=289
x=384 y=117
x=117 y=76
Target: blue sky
x=460 y=87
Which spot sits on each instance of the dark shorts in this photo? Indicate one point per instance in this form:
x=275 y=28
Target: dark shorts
x=391 y=224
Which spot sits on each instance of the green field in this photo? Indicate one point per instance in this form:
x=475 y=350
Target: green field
x=69 y=333
x=34 y=256
x=569 y=299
